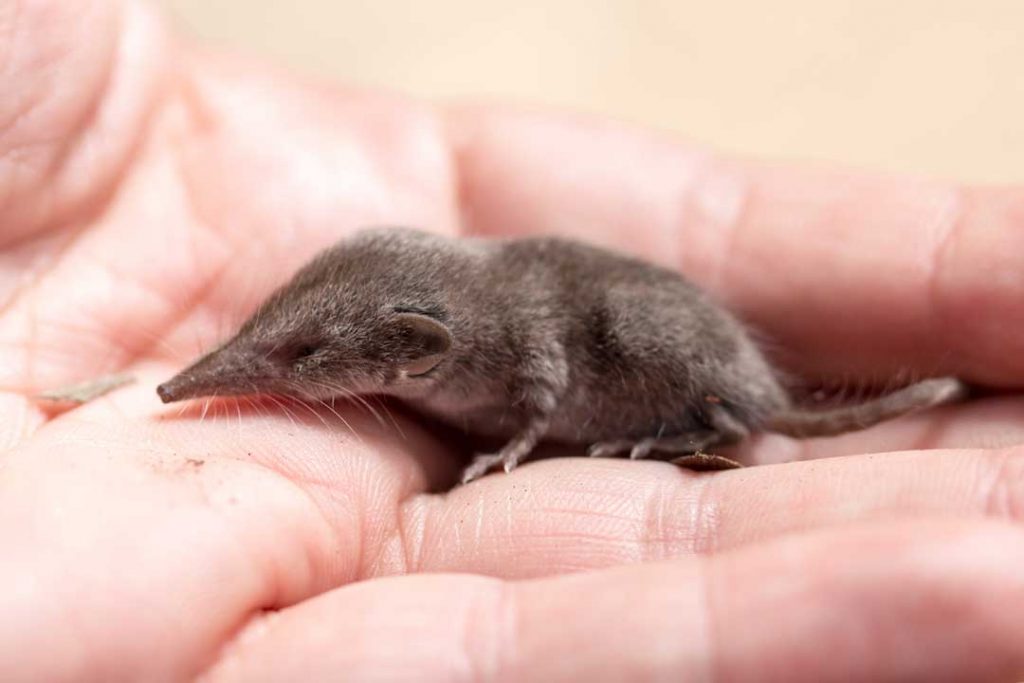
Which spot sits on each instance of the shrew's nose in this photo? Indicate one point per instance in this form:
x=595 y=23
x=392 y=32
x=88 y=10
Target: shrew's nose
x=166 y=392
x=174 y=389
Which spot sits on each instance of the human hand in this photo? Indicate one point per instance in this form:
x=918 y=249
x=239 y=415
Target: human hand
x=150 y=195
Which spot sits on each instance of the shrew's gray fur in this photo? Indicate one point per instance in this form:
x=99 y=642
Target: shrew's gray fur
x=528 y=339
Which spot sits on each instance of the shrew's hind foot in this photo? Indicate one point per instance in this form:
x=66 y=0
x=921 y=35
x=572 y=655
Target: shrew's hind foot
x=724 y=429
x=691 y=442
x=689 y=445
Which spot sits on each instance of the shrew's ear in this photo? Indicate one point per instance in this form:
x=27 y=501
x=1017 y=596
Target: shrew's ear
x=427 y=341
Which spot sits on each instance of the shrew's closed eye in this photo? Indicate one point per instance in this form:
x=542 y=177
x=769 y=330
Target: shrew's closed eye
x=294 y=353
x=304 y=351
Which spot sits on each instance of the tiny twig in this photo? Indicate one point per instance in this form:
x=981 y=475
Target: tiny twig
x=83 y=392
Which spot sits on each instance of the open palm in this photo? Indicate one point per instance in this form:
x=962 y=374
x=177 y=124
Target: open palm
x=150 y=196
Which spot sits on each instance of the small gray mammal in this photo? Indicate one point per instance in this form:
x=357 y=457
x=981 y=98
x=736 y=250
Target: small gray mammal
x=523 y=340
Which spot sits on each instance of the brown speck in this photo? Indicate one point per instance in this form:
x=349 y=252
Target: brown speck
x=705 y=462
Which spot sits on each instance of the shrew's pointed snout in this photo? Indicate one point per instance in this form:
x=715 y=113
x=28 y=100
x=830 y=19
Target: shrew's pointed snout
x=224 y=372
x=186 y=384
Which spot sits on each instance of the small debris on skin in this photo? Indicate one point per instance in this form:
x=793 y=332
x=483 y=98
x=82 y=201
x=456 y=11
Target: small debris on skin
x=83 y=392
x=703 y=462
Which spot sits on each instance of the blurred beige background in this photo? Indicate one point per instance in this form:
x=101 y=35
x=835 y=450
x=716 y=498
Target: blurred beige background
x=900 y=85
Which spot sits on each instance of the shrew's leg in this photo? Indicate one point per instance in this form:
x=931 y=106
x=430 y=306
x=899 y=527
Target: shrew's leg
x=537 y=391
x=509 y=456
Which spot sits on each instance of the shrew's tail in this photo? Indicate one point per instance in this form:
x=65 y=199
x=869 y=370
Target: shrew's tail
x=931 y=392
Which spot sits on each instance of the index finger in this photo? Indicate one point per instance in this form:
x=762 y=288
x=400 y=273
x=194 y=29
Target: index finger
x=923 y=600
x=852 y=274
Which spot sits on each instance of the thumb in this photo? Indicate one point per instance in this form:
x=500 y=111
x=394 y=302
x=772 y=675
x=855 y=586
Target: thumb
x=78 y=81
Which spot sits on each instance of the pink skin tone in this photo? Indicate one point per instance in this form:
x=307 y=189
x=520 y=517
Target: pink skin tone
x=150 y=195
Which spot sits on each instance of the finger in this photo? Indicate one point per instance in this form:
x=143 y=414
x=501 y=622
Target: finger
x=851 y=274
x=76 y=81
x=923 y=601
x=983 y=423
x=172 y=529
x=577 y=514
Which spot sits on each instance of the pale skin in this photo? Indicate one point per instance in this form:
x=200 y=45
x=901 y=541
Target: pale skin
x=150 y=195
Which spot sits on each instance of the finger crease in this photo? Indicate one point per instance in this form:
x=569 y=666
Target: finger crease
x=949 y=228
x=1003 y=496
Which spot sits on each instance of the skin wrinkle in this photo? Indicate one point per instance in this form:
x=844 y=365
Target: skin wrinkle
x=76 y=135
x=942 y=254
x=709 y=622
x=491 y=634
x=508 y=631
x=129 y=345
x=10 y=21
x=357 y=507
x=202 y=292
x=1003 y=495
x=612 y=540
x=462 y=210
x=409 y=516
x=698 y=534
x=706 y=524
x=20 y=426
x=440 y=138
x=41 y=272
x=712 y=174
x=228 y=656
x=359 y=538
x=32 y=317
x=272 y=581
x=653 y=541
x=632 y=519
x=365 y=557
x=461 y=145
x=304 y=490
x=479 y=619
